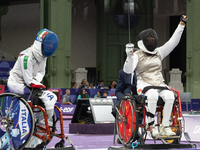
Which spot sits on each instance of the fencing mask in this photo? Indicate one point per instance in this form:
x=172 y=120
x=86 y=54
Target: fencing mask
x=149 y=38
x=49 y=42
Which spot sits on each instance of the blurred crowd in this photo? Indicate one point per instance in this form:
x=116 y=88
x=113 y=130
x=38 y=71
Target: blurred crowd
x=100 y=85
x=83 y=94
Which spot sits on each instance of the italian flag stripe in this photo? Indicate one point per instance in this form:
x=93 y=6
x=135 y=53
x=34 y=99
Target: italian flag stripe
x=42 y=33
x=24 y=135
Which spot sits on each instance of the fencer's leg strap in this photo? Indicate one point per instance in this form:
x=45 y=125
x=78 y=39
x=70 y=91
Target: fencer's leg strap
x=150 y=117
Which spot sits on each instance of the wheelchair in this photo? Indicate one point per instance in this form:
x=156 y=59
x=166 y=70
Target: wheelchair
x=25 y=126
x=132 y=113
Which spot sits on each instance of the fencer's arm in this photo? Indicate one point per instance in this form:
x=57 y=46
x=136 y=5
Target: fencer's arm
x=167 y=48
x=27 y=69
x=131 y=60
x=128 y=65
x=39 y=76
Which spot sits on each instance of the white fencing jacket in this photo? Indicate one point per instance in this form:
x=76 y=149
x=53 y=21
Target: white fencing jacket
x=133 y=62
x=30 y=66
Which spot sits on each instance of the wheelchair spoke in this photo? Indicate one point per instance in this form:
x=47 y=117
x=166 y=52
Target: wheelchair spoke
x=118 y=111
x=10 y=140
x=124 y=108
x=124 y=122
x=1 y=107
x=15 y=104
x=1 y=113
x=9 y=107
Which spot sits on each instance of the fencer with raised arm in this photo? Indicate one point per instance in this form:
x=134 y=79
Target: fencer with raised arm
x=147 y=63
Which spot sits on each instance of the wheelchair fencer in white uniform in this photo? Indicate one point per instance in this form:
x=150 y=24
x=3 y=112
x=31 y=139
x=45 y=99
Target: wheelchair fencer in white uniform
x=29 y=69
x=147 y=63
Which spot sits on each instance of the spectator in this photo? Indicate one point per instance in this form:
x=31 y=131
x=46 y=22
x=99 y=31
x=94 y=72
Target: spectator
x=112 y=85
x=84 y=84
x=105 y=94
x=91 y=86
x=98 y=95
x=66 y=99
x=74 y=85
x=3 y=58
x=82 y=94
x=100 y=85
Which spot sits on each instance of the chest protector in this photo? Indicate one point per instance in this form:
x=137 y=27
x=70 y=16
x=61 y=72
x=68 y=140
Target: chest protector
x=149 y=68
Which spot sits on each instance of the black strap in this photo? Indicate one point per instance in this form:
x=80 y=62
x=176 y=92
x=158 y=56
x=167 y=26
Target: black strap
x=154 y=87
x=143 y=100
x=151 y=123
x=149 y=114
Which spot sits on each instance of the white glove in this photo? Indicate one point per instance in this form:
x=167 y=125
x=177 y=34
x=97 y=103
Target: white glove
x=129 y=49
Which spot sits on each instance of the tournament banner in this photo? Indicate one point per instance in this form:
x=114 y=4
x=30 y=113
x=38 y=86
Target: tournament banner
x=67 y=109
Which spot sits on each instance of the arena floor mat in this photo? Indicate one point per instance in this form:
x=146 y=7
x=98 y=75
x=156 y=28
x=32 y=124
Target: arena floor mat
x=64 y=148
x=156 y=147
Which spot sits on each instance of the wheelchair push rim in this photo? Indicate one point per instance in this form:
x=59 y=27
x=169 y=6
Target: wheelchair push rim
x=17 y=122
x=126 y=120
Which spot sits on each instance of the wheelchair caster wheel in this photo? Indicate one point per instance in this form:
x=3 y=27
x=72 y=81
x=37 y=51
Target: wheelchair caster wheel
x=194 y=146
x=128 y=146
x=41 y=146
x=60 y=144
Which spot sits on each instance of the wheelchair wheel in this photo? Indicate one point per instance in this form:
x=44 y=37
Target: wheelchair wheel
x=16 y=122
x=127 y=120
x=175 y=128
x=39 y=117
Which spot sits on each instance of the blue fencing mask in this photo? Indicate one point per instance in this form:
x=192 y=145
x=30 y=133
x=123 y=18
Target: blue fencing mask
x=49 y=42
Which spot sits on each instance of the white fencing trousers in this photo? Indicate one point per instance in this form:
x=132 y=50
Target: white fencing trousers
x=168 y=98
x=15 y=87
x=48 y=98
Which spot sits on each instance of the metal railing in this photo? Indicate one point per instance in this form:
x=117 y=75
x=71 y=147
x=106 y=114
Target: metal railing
x=7 y=56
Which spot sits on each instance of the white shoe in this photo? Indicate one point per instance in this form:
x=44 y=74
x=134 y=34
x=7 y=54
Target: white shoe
x=154 y=132
x=166 y=131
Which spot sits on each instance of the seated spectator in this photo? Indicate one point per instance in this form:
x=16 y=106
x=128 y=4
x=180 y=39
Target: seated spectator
x=98 y=95
x=74 y=85
x=84 y=84
x=91 y=86
x=4 y=63
x=105 y=94
x=66 y=99
x=3 y=58
x=100 y=85
x=112 y=85
x=82 y=94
